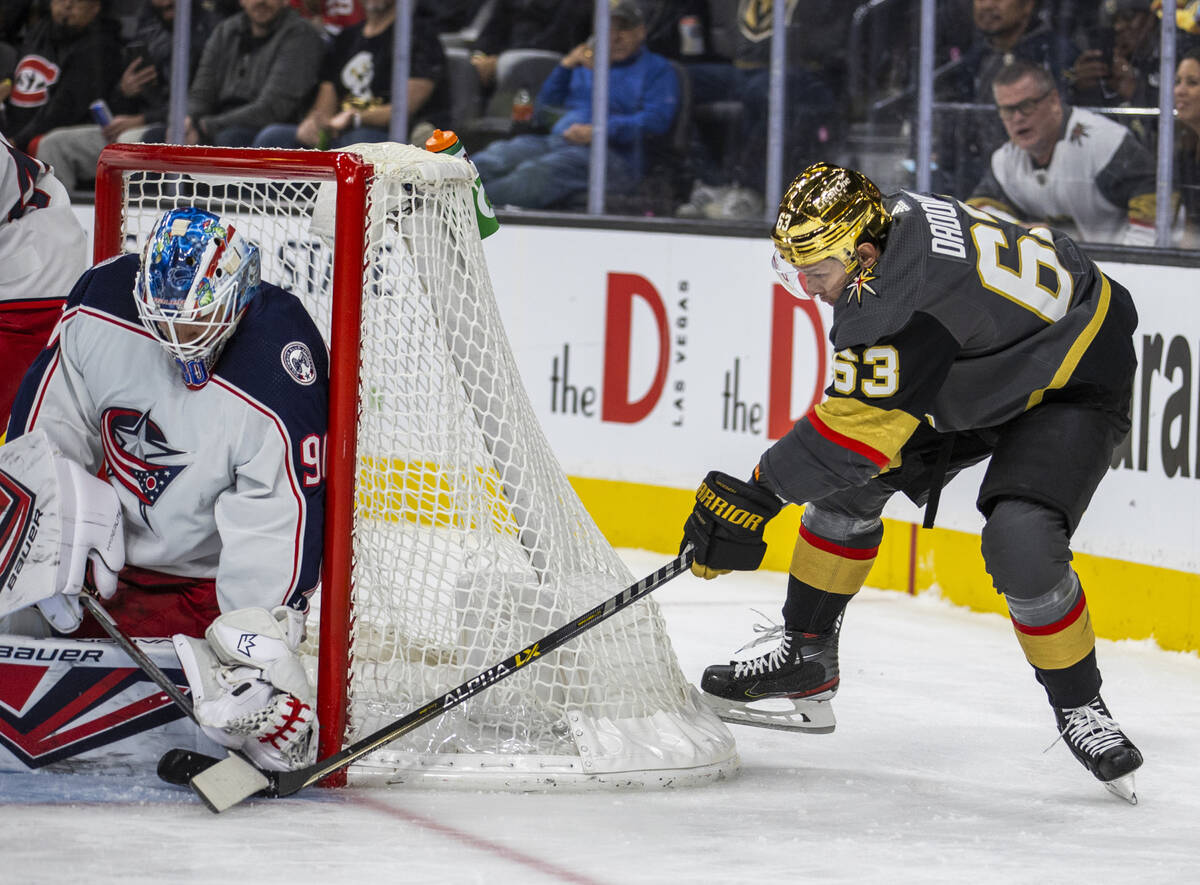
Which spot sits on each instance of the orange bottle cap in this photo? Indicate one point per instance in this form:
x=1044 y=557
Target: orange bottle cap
x=440 y=140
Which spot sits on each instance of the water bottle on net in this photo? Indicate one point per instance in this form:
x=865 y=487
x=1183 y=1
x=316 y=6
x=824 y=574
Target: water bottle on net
x=445 y=141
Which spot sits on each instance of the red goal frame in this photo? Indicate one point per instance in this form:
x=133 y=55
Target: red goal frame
x=352 y=175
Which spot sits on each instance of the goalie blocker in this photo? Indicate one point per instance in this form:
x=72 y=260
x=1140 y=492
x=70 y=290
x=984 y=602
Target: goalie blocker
x=55 y=518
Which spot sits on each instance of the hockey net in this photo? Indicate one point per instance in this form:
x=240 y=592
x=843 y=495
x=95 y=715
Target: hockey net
x=453 y=538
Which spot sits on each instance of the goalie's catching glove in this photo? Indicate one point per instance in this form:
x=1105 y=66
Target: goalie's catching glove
x=249 y=688
x=726 y=525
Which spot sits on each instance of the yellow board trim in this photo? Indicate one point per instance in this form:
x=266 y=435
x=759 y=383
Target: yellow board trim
x=1126 y=600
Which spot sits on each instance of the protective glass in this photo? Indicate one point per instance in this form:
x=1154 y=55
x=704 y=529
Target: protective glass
x=792 y=277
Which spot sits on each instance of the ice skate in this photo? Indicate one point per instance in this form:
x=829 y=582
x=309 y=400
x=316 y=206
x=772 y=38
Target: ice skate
x=1096 y=740
x=788 y=688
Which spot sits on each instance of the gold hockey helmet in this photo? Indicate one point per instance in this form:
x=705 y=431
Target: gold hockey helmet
x=825 y=214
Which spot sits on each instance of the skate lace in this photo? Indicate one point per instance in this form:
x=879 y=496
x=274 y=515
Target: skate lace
x=770 y=661
x=1090 y=730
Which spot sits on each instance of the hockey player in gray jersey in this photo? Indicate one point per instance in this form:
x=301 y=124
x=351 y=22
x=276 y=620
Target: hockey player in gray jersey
x=199 y=394
x=958 y=337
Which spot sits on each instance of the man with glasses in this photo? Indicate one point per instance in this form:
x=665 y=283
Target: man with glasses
x=1066 y=167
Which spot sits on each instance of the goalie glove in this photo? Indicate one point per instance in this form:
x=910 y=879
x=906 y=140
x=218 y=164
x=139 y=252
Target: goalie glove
x=249 y=689
x=726 y=525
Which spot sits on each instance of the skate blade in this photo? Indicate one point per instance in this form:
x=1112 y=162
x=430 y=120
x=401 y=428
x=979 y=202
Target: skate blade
x=785 y=714
x=1123 y=787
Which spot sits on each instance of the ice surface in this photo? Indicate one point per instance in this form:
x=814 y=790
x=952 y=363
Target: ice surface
x=936 y=773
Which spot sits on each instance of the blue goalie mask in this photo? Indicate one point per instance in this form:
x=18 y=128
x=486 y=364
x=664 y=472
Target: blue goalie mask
x=197 y=277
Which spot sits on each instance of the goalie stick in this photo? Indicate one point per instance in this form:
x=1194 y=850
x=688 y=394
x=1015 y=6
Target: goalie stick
x=157 y=676
x=223 y=784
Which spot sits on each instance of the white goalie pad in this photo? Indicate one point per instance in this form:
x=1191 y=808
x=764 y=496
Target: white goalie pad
x=54 y=519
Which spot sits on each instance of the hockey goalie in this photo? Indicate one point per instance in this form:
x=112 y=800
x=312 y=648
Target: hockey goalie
x=164 y=453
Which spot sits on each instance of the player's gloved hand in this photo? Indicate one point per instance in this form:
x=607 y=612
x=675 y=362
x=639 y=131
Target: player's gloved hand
x=92 y=531
x=249 y=686
x=726 y=525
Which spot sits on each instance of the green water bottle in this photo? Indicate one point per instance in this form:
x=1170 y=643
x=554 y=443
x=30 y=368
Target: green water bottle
x=444 y=141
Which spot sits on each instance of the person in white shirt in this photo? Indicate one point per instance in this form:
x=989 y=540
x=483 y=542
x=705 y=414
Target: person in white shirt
x=1066 y=167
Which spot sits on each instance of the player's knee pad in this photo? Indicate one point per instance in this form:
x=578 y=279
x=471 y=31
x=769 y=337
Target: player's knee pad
x=1025 y=548
x=1049 y=607
x=842 y=528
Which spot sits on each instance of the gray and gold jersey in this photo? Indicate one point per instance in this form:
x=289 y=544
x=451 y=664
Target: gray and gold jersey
x=965 y=322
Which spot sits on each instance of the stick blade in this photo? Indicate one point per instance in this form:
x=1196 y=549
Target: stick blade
x=179 y=766
x=230 y=781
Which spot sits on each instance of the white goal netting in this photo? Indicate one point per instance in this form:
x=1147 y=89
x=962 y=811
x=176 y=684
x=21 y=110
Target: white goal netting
x=468 y=542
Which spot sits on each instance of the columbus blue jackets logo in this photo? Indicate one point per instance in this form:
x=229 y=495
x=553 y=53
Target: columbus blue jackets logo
x=298 y=361
x=17 y=516
x=137 y=455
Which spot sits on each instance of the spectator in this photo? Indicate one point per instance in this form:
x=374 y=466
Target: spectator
x=354 y=96
x=536 y=171
x=138 y=101
x=65 y=65
x=1122 y=67
x=258 y=67
x=1066 y=167
x=1006 y=30
x=732 y=169
x=528 y=24
x=1187 y=144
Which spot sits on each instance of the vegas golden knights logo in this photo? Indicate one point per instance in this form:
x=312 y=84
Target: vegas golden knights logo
x=755 y=18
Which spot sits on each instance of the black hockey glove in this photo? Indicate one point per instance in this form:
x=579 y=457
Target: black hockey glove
x=726 y=525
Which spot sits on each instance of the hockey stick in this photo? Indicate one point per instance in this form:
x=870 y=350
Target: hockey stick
x=158 y=677
x=230 y=781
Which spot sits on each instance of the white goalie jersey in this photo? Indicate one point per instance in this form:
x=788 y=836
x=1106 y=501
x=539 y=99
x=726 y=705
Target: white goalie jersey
x=224 y=482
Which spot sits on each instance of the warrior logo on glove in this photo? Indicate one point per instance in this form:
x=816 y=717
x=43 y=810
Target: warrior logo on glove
x=726 y=524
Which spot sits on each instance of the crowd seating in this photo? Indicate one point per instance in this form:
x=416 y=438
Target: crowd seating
x=873 y=127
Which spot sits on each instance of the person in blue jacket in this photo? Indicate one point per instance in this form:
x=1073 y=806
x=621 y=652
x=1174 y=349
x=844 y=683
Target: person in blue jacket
x=537 y=171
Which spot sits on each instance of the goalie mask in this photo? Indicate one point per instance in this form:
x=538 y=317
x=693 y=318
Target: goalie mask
x=826 y=212
x=196 y=278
